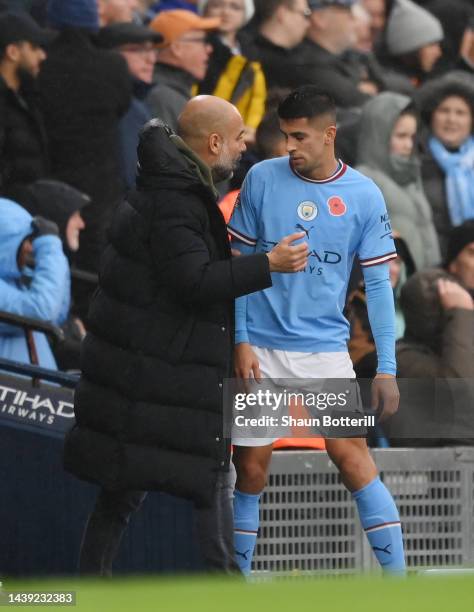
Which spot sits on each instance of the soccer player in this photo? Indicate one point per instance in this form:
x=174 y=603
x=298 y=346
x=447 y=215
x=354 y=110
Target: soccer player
x=296 y=329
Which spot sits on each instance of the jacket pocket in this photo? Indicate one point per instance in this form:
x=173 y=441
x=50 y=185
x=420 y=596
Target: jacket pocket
x=180 y=340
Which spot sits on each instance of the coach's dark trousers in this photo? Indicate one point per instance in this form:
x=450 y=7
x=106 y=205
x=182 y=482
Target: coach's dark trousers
x=109 y=519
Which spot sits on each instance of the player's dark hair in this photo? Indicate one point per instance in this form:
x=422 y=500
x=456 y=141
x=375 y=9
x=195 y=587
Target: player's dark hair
x=307 y=102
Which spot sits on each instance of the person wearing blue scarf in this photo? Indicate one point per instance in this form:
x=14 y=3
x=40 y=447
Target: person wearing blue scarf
x=458 y=166
x=447 y=152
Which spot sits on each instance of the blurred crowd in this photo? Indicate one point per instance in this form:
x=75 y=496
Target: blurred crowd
x=78 y=80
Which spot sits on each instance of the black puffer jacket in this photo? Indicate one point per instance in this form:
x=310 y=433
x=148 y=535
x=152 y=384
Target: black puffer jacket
x=23 y=147
x=149 y=405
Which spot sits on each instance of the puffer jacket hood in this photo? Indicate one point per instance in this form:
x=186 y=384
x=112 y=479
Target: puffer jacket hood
x=379 y=116
x=421 y=306
x=165 y=161
x=15 y=226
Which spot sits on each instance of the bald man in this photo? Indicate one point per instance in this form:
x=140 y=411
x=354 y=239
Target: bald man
x=149 y=406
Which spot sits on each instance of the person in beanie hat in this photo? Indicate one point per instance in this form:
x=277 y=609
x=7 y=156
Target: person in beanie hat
x=460 y=257
x=413 y=38
x=34 y=281
x=84 y=92
x=60 y=203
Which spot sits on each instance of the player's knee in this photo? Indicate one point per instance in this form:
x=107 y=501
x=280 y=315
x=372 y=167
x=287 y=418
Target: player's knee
x=251 y=477
x=354 y=463
x=352 y=467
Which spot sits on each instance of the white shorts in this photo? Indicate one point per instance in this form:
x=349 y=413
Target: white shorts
x=292 y=365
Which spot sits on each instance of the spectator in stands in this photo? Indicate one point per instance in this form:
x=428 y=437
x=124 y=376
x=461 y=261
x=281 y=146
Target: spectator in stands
x=412 y=39
x=136 y=44
x=378 y=11
x=34 y=280
x=182 y=60
x=331 y=34
x=386 y=154
x=282 y=25
x=149 y=405
x=363 y=33
x=23 y=146
x=84 y=91
x=62 y=204
x=457 y=19
x=367 y=71
x=116 y=11
x=230 y=75
x=438 y=344
x=460 y=255
x=447 y=110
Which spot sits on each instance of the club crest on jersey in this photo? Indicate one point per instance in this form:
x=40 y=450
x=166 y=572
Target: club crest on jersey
x=307 y=210
x=336 y=206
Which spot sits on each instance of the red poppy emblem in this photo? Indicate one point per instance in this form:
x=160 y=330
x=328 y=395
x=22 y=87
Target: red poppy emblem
x=336 y=205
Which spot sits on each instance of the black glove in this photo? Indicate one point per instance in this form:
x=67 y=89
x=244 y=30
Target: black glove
x=43 y=227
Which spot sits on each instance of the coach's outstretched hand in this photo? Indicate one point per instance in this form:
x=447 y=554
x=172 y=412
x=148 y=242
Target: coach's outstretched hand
x=385 y=395
x=287 y=258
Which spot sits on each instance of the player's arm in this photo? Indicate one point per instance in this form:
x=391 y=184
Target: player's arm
x=375 y=250
x=381 y=311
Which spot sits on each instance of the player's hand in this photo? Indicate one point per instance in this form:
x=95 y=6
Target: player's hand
x=385 y=395
x=452 y=295
x=246 y=363
x=287 y=258
x=235 y=253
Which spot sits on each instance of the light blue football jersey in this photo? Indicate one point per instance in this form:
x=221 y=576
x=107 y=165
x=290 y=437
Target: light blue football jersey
x=341 y=216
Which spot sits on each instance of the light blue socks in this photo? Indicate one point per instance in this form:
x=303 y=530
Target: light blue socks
x=246 y=521
x=381 y=522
